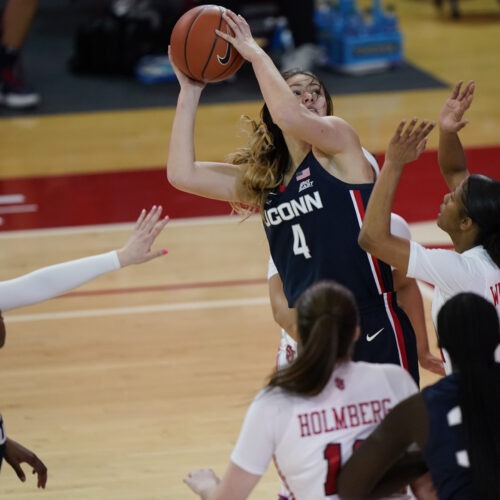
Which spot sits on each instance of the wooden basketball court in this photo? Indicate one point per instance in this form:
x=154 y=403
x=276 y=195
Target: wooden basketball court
x=125 y=385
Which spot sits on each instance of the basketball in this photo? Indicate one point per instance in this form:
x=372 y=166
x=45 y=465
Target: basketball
x=196 y=49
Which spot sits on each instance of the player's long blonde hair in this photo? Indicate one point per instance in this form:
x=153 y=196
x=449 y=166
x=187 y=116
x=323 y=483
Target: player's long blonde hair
x=265 y=158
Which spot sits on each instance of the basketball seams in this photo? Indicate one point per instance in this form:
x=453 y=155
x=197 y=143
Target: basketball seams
x=214 y=43
x=236 y=59
x=198 y=51
x=186 y=42
x=228 y=69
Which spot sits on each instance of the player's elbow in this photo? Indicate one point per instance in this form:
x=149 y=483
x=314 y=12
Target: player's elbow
x=280 y=315
x=284 y=316
x=366 y=241
x=176 y=178
x=172 y=175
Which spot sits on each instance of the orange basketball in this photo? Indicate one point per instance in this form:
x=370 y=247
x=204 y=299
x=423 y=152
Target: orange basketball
x=196 y=49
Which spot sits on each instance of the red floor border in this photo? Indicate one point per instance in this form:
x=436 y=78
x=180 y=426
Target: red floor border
x=115 y=197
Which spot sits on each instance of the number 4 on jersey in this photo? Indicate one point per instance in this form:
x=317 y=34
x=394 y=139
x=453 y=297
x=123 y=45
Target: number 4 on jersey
x=299 y=242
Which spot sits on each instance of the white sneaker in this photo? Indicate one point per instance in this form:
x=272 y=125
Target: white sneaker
x=14 y=92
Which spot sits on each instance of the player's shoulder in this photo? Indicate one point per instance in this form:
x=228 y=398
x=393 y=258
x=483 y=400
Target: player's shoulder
x=386 y=374
x=378 y=368
x=340 y=124
x=273 y=396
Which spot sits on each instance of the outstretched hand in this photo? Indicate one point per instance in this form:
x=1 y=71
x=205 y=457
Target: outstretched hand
x=15 y=454
x=203 y=482
x=241 y=38
x=451 y=115
x=137 y=249
x=409 y=141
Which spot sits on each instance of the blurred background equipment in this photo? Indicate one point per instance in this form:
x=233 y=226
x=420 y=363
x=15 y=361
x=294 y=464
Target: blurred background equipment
x=114 y=40
x=355 y=41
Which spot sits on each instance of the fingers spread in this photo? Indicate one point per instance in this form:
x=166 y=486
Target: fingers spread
x=411 y=126
x=400 y=128
x=456 y=90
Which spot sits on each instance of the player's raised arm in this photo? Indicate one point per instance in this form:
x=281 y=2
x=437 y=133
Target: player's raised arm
x=220 y=181
x=300 y=119
x=375 y=237
x=451 y=155
x=51 y=281
x=138 y=248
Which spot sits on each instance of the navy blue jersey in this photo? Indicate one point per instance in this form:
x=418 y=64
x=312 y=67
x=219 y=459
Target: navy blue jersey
x=445 y=445
x=312 y=226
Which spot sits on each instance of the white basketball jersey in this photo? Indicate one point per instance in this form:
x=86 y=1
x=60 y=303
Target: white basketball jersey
x=451 y=273
x=310 y=438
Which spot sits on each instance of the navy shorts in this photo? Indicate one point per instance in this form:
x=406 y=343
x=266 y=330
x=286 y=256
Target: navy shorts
x=387 y=335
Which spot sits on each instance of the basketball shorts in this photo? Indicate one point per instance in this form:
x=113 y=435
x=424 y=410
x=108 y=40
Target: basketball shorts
x=387 y=335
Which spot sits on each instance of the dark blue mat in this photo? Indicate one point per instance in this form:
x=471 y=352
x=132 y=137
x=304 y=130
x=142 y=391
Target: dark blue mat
x=50 y=47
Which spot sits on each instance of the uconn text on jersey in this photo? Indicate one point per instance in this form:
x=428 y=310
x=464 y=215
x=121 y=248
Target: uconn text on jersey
x=294 y=208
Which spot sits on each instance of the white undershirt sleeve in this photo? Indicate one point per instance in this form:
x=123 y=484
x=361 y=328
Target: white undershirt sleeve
x=399 y=227
x=271 y=268
x=55 y=280
x=439 y=267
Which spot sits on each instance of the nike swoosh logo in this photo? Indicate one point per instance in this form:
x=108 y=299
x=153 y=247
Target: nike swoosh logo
x=224 y=60
x=369 y=338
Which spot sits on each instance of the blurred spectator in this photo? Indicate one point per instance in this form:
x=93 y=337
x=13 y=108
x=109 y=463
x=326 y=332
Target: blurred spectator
x=300 y=17
x=454 y=10
x=16 y=21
